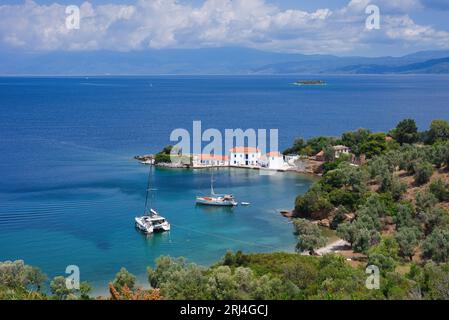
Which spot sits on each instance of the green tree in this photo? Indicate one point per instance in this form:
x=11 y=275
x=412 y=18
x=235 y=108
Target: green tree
x=313 y=203
x=423 y=171
x=374 y=145
x=406 y=131
x=384 y=263
x=433 y=280
x=329 y=153
x=439 y=154
x=59 y=288
x=309 y=235
x=439 y=131
x=19 y=281
x=433 y=218
x=364 y=239
x=35 y=277
x=397 y=188
x=178 y=279
x=122 y=278
x=405 y=215
x=298 y=145
x=440 y=190
x=425 y=201
x=355 y=139
x=407 y=239
x=341 y=215
x=347 y=231
x=85 y=289
x=317 y=144
x=165 y=155
x=436 y=246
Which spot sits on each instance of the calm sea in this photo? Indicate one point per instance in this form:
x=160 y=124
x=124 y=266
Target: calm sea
x=69 y=189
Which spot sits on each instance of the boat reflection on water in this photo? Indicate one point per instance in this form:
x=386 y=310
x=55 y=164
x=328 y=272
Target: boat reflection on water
x=215 y=209
x=156 y=238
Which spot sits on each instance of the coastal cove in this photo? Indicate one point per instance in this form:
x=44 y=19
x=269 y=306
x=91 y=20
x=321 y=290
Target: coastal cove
x=93 y=227
x=70 y=189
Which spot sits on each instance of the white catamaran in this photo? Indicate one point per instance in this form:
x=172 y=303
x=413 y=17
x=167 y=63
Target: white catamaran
x=216 y=199
x=151 y=221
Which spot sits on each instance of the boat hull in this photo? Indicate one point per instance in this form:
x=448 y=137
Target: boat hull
x=143 y=227
x=219 y=203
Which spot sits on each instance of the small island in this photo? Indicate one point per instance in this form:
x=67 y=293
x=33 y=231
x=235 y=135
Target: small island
x=310 y=83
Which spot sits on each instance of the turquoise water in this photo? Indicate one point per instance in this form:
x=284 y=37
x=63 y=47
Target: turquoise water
x=91 y=225
x=69 y=189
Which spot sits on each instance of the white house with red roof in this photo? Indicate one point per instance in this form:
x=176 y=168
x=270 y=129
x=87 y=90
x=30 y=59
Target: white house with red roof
x=244 y=156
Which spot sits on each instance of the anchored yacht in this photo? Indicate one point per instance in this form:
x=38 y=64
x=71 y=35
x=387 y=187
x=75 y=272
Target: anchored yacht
x=216 y=199
x=151 y=221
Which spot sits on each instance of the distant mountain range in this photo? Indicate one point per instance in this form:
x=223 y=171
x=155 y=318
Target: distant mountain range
x=215 y=61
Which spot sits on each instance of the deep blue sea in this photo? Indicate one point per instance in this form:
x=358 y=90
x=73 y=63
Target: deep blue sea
x=69 y=188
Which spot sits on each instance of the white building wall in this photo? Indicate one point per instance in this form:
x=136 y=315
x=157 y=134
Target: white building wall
x=244 y=159
x=275 y=162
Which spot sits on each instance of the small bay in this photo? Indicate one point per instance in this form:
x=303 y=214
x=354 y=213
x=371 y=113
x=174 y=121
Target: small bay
x=69 y=188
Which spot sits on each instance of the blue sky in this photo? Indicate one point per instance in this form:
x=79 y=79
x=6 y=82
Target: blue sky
x=303 y=26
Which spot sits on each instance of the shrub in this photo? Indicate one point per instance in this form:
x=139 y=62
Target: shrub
x=439 y=131
x=436 y=246
x=405 y=215
x=122 y=278
x=347 y=231
x=425 y=200
x=364 y=239
x=384 y=263
x=309 y=235
x=440 y=190
x=313 y=201
x=407 y=239
x=423 y=171
x=340 y=197
x=433 y=218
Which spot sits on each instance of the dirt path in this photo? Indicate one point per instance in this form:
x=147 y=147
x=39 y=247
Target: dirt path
x=333 y=247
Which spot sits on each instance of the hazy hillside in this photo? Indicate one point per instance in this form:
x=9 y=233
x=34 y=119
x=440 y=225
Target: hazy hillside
x=437 y=66
x=213 y=61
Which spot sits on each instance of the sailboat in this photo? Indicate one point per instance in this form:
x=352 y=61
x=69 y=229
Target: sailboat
x=151 y=221
x=216 y=199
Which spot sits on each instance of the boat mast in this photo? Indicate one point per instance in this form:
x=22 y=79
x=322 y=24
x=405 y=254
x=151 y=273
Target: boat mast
x=148 y=191
x=212 y=183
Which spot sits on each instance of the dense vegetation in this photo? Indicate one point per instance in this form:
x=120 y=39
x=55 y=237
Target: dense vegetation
x=253 y=276
x=164 y=155
x=392 y=210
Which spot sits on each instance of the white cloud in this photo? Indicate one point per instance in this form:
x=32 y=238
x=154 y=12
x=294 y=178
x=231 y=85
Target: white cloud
x=250 y=23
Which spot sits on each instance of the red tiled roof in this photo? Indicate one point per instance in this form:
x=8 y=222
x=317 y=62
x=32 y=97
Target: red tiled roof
x=274 y=154
x=244 y=150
